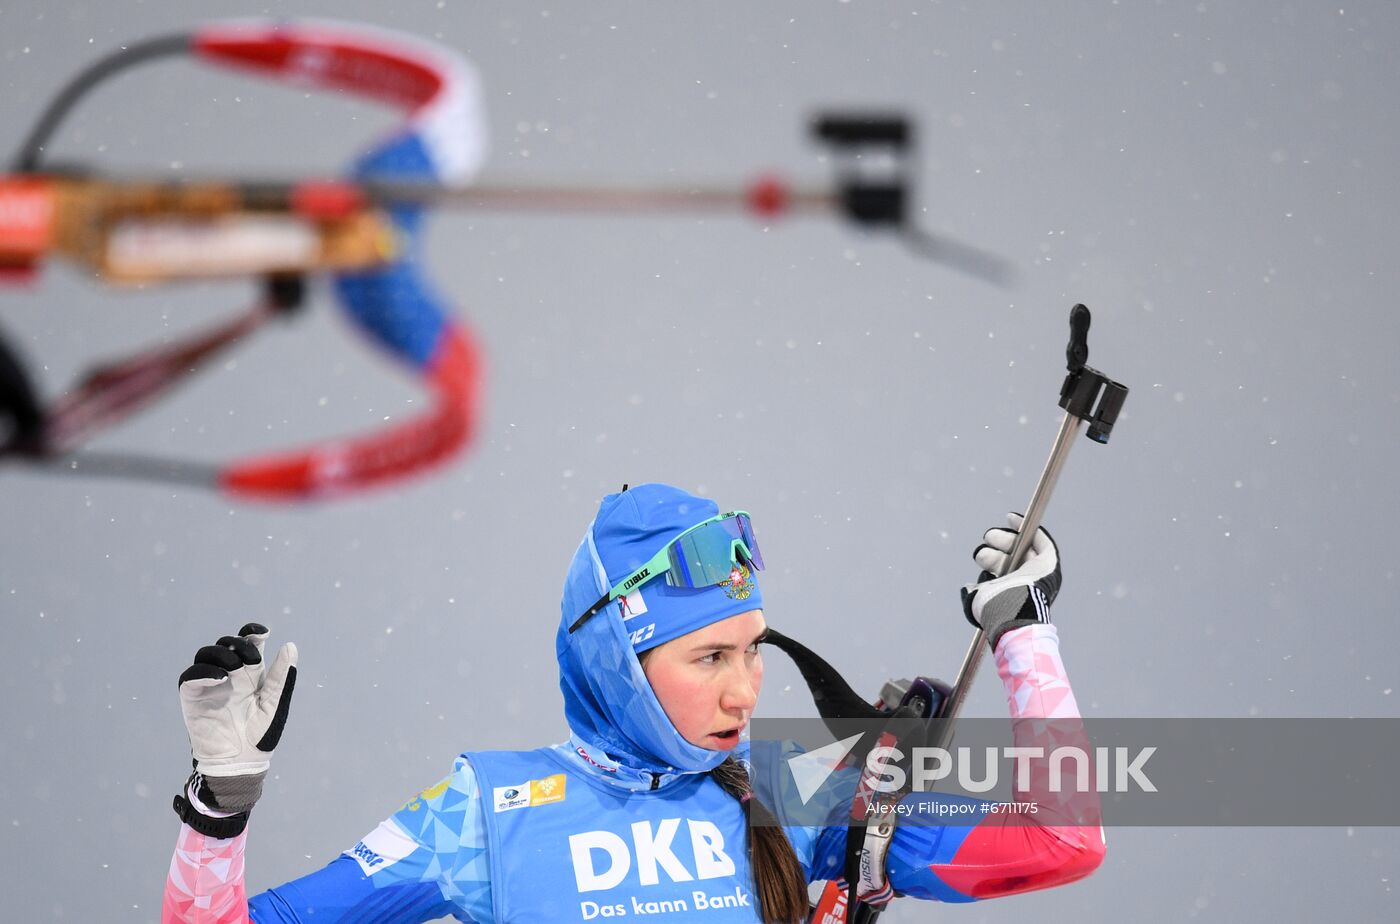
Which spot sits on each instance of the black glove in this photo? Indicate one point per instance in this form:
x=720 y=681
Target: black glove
x=996 y=605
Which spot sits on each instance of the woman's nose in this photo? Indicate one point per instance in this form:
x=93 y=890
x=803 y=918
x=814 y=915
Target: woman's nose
x=741 y=694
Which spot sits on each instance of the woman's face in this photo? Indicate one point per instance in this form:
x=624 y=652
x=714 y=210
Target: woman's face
x=708 y=681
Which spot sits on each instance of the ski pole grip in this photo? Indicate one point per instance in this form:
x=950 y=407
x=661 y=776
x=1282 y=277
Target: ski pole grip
x=1077 y=352
x=1087 y=393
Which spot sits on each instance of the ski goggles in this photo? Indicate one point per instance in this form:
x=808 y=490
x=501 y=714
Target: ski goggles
x=705 y=555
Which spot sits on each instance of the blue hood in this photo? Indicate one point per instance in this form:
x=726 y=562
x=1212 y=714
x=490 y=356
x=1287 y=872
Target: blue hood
x=608 y=702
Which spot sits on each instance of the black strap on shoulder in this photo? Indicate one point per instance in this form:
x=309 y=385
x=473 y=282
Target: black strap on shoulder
x=835 y=699
x=832 y=694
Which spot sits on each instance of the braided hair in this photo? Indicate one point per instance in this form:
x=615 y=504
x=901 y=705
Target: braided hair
x=782 y=888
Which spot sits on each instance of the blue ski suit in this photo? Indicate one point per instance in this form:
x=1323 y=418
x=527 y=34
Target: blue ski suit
x=624 y=819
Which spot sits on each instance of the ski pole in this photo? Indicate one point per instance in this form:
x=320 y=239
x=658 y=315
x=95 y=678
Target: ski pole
x=1088 y=397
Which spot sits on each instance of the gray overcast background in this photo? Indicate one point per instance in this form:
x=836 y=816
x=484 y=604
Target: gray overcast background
x=1216 y=181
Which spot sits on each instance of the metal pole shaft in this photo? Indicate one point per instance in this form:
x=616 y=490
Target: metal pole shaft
x=599 y=198
x=1035 y=510
x=1040 y=499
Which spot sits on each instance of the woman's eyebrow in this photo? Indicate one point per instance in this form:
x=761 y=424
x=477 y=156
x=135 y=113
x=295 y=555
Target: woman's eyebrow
x=717 y=646
x=727 y=646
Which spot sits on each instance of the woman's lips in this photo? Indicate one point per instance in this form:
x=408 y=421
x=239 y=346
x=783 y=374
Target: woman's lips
x=727 y=739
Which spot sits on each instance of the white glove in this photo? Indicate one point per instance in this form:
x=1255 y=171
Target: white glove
x=996 y=605
x=235 y=712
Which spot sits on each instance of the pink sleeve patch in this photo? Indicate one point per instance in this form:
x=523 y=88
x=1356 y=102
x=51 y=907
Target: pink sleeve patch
x=205 y=885
x=1037 y=687
x=1045 y=718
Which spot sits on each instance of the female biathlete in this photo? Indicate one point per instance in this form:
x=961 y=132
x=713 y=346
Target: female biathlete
x=645 y=809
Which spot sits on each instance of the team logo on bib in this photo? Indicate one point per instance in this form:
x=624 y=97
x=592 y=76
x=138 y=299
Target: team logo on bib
x=550 y=789
x=511 y=797
x=535 y=792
